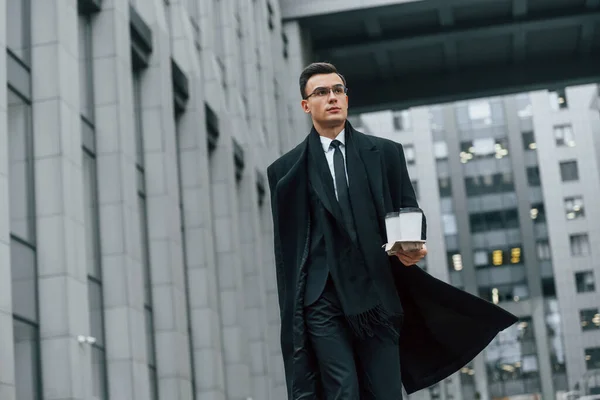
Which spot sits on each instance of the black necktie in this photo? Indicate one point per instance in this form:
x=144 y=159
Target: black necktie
x=342 y=187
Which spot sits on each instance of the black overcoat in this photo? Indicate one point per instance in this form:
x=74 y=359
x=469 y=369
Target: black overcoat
x=443 y=327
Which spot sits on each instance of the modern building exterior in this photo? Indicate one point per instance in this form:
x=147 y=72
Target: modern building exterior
x=136 y=255
x=510 y=185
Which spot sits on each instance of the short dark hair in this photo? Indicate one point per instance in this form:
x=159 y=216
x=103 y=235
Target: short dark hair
x=317 y=68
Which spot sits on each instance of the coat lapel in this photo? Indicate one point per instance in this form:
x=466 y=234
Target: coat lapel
x=320 y=177
x=371 y=158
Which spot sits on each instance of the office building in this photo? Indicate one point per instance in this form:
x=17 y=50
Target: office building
x=510 y=186
x=136 y=255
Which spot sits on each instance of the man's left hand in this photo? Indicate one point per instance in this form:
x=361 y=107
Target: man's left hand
x=409 y=258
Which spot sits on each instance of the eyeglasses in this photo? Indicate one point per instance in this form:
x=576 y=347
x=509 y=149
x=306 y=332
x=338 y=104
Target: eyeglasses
x=321 y=92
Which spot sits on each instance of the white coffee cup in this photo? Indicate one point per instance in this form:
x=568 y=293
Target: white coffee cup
x=404 y=225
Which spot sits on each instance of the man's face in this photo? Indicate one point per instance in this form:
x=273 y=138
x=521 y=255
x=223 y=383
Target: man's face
x=327 y=102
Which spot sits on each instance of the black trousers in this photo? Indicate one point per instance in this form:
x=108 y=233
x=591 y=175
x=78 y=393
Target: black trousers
x=351 y=369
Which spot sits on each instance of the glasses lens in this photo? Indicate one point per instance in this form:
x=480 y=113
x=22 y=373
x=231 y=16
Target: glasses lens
x=321 y=92
x=338 y=90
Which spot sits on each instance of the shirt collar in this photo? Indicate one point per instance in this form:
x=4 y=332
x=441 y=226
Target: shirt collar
x=326 y=142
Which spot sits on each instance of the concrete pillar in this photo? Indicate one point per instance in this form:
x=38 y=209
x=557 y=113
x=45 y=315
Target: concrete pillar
x=7 y=377
x=62 y=272
x=120 y=233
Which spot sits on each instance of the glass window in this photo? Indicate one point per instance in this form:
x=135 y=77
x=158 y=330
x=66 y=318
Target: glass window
x=533 y=176
x=584 y=281
x=563 y=134
x=449 y=221
x=26 y=360
x=558 y=100
x=440 y=150
x=481 y=258
x=409 y=154
x=150 y=337
x=401 y=120
x=92 y=233
x=524 y=106
x=95 y=300
x=99 y=379
x=86 y=95
x=592 y=358
x=590 y=319
x=580 y=244
x=436 y=118
x=529 y=141
x=480 y=110
x=445 y=186
x=543 y=250
x=137 y=111
x=569 y=171
x=18 y=25
x=24 y=275
x=574 y=207
x=20 y=167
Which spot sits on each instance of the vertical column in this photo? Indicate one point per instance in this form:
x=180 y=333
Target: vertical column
x=119 y=221
x=534 y=280
x=63 y=300
x=459 y=197
x=164 y=222
x=7 y=377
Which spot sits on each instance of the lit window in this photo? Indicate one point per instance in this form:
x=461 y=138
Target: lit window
x=497 y=257
x=480 y=111
x=592 y=358
x=449 y=221
x=563 y=135
x=558 y=100
x=457 y=262
x=574 y=207
x=529 y=141
x=590 y=319
x=515 y=255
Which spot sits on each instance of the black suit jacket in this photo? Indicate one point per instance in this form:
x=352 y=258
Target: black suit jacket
x=443 y=327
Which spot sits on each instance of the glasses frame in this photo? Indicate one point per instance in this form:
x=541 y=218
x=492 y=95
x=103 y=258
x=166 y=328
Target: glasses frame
x=330 y=90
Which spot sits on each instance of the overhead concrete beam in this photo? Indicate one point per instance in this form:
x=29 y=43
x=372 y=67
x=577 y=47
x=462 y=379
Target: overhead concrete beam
x=423 y=89
x=488 y=31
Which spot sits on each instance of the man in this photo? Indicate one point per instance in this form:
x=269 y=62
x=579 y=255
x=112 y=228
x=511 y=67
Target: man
x=350 y=313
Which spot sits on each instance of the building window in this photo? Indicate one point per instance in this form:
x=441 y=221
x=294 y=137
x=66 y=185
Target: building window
x=558 y=100
x=574 y=207
x=584 y=282
x=144 y=236
x=440 y=150
x=401 y=120
x=18 y=29
x=529 y=141
x=409 y=154
x=449 y=222
x=22 y=247
x=580 y=244
x=483 y=148
x=445 y=186
x=563 y=135
x=285 y=45
x=569 y=171
x=590 y=319
x=533 y=176
x=592 y=358
x=480 y=258
x=270 y=16
x=543 y=250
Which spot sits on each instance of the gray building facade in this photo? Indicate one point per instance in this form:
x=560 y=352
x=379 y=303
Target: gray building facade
x=510 y=184
x=136 y=254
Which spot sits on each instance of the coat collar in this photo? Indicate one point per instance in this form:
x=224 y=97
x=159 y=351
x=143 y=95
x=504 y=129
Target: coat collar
x=368 y=151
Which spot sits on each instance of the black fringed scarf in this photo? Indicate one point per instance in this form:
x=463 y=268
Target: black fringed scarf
x=354 y=286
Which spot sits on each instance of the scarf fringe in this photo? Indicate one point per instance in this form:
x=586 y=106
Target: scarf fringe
x=363 y=324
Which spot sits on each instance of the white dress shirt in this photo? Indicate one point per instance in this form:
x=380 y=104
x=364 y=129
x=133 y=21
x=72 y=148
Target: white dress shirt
x=326 y=142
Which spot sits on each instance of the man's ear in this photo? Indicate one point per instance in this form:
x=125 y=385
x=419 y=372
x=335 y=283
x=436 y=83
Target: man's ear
x=304 y=105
